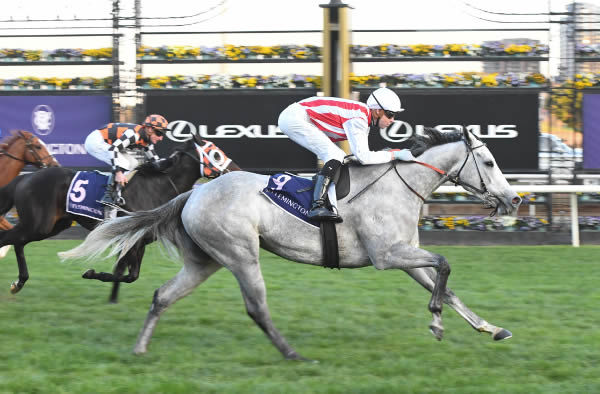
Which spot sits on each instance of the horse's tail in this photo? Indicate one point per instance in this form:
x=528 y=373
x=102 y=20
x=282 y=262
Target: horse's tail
x=122 y=233
x=7 y=195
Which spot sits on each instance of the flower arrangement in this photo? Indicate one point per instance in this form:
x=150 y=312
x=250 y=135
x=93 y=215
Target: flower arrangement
x=230 y=52
x=32 y=55
x=9 y=53
x=498 y=48
x=484 y=223
x=238 y=52
x=587 y=49
x=56 y=83
x=222 y=81
x=587 y=223
x=63 y=53
x=462 y=79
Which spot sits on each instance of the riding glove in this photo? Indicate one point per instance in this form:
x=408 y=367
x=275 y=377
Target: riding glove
x=403 y=154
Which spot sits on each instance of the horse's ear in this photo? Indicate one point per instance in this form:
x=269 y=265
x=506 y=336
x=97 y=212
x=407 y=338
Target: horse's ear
x=196 y=139
x=467 y=135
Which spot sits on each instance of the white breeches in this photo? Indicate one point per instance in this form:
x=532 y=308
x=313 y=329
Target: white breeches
x=97 y=147
x=295 y=123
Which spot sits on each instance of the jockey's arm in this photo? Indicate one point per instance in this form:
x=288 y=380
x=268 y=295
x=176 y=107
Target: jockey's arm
x=357 y=131
x=151 y=153
x=129 y=137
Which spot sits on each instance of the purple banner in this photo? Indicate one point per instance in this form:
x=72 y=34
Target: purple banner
x=62 y=122
x=591 y=131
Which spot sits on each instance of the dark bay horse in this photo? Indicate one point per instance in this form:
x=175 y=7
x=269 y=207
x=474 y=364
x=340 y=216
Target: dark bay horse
x=17 y=150
x=225 y=223
x=40 y=202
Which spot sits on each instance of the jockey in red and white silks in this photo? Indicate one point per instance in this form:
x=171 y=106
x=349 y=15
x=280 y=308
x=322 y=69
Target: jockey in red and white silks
x=317 y=122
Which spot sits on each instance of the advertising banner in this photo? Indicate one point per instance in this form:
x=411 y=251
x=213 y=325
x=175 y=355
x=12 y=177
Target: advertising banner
x=62 y=122
x=591 y=131
x=245 y=125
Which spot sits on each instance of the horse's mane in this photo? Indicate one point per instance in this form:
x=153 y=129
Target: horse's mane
x=8 y=140
x=148 y=168
x=433 y=137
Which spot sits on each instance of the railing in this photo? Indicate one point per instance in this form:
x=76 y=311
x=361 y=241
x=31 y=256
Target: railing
x=572 y=190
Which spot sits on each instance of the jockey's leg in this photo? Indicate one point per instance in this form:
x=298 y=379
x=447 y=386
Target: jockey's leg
x=110 y=188
x=319 y=210
x=295 y=123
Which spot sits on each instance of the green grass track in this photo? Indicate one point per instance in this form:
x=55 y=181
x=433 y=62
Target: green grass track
x=368 y=328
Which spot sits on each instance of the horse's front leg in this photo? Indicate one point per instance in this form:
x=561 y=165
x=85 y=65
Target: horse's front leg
x=426 y=276
x=15 y=287
x=405 y=257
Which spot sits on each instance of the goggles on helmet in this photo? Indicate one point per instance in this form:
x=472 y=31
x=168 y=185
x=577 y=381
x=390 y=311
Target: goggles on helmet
x=388 y=113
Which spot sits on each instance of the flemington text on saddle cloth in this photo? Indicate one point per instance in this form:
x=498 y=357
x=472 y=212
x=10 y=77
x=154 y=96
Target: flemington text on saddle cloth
x=293 y=194
x=86 y=189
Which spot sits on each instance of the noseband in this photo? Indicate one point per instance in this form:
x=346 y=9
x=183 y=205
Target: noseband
x=456 y=178
x=29 y=145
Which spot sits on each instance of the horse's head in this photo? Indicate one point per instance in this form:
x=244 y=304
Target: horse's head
x=24 y=146
x=213 y=161
x=476 y=170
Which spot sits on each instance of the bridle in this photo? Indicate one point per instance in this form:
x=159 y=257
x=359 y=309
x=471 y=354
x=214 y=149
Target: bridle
x=483 y=190
x=30 y=147
x=200 y=162
x=455 y=179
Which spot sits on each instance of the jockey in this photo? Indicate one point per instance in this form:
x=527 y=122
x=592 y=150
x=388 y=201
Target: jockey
x=317 y=122
x=113 y=144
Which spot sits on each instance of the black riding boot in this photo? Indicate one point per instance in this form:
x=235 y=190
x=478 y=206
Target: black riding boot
x=319 y=211
x=110 y=191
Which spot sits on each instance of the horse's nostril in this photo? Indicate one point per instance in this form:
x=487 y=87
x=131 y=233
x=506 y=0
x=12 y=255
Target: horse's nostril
x=516 y=200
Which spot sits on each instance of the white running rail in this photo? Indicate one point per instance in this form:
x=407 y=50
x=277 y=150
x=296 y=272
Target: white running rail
x=572 y=190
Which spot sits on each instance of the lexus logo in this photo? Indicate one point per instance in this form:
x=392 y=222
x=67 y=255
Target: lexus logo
x=181 y=130
x=397 y=132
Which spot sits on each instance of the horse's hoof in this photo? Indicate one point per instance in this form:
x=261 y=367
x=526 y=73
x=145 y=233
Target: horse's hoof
x=139 y=352
x=14 y=288
x=438 y=332
x=502 y=334
x=297 y=357
x=89 y=274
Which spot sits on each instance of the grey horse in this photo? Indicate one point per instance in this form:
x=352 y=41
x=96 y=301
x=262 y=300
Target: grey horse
x=225 y=222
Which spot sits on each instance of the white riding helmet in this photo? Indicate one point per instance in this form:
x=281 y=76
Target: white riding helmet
x=386 y=99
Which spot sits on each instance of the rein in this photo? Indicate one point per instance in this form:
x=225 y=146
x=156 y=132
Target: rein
x=454 y=179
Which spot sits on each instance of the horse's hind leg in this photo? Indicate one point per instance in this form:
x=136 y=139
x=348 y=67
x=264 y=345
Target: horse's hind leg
x=15 y=287
x=15 y=237
x=4 y=225
x=255 y=297
x=191 y=275
x=425 y=277
x=132 y=261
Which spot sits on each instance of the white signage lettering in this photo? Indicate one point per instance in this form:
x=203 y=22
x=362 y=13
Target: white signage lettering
x=401 y=131
x=66 y=149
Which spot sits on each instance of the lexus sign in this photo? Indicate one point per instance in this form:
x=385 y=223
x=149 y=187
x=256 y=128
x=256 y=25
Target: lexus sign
x=245 y=126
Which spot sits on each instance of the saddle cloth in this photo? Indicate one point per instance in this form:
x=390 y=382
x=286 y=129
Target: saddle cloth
x=86 y=189
x=293 y=194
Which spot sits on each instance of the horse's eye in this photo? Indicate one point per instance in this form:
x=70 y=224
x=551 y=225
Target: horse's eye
x=489 y=163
